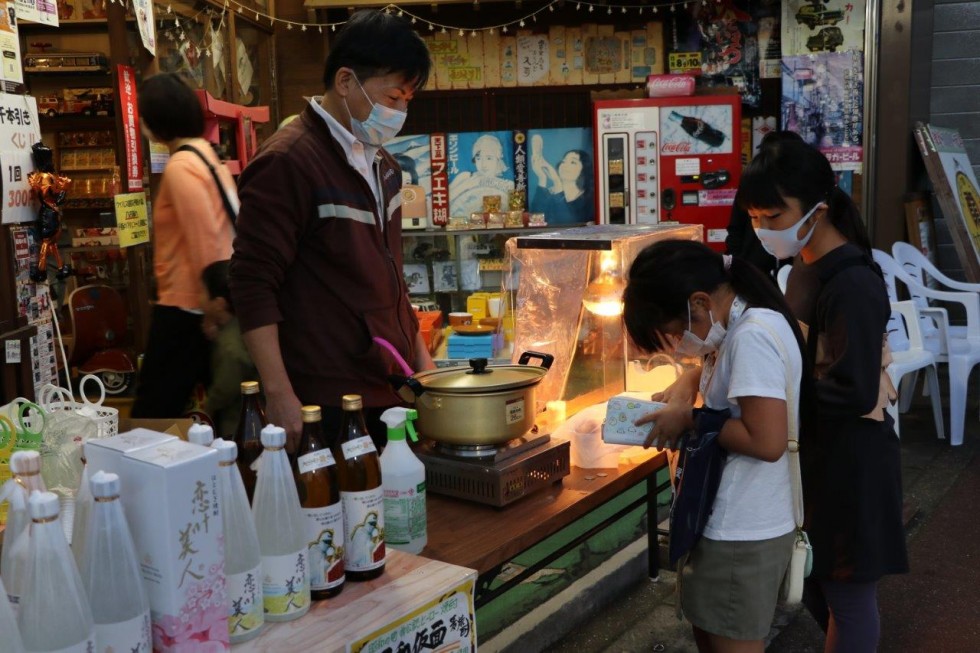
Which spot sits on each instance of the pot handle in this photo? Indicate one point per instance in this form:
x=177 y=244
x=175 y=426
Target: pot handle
x=546 y=359
x=407 y=387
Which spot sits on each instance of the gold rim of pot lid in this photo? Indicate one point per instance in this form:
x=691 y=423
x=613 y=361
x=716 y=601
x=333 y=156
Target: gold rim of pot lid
x=496 y=377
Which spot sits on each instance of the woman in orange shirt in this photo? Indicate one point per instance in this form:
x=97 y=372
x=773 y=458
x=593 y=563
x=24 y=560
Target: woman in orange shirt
x=192 y=228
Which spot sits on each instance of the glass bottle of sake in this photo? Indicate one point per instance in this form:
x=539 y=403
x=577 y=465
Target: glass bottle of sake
x=54 y=613
x=201 y=434
x=319 y=495
x=282 y=536
x=251 y=420
x=359 y=473
x=8 y=625
x=243 y=562
x=111 y=573
x=25 y=466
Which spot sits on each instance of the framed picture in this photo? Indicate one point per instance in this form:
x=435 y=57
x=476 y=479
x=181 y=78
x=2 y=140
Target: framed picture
x=416 y=278
x=444 y=277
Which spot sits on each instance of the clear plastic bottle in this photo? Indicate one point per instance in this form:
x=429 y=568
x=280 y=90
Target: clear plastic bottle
x=319 y=495
x=359 y=472
x=243 y=561
x=111 y=574
x=54 y=613
x=282 y=533
x=83 y=508
x=9 y=632
x=201 y=434
x=403 y=474
x=26 y=469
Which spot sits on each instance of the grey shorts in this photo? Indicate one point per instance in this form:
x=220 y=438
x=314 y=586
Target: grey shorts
x=731 y=588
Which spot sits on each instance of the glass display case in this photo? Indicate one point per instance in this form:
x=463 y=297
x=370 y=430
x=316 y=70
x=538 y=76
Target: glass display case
x=568 y=303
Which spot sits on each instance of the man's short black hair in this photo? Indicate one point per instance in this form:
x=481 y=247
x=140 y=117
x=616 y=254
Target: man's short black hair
x=374 y=43
x=170 y=108
x=215 y=277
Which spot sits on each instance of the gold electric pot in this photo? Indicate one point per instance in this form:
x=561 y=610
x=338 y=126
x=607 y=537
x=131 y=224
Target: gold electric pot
x=478 y=405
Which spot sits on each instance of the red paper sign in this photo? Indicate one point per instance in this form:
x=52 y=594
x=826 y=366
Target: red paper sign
x=131 y=128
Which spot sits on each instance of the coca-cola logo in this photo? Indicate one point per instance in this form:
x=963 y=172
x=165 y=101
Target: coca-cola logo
x=666 y=85
x=676 y=148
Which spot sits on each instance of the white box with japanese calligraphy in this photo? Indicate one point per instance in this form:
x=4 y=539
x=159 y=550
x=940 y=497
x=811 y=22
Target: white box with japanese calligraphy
x=170 y=496
x=105 y=454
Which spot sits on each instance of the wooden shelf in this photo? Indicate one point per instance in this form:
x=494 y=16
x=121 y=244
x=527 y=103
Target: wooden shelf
x=81 y=24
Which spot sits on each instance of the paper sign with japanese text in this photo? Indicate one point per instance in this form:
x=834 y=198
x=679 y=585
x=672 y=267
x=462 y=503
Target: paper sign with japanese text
x=11 y=72
x=446 y=623
x=18 y=132
x=144 y=20
x=131 y=219
x=131 y=128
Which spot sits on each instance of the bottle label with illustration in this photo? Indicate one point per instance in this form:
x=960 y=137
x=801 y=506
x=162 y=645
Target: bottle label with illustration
x=245 y=602
x=131 y=635
x=325 y=539
x=405 y=514
x=285 y=583
x=358 y=447
x=85 y=646
x=314 y=461
x=364 y=529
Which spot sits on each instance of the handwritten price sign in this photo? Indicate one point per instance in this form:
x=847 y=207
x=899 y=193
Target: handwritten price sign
x=18 y=132
x=131 y=220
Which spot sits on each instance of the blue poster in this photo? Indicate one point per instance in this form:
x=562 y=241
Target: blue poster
x=480 y=164
x=561 y=180
x=414 y=157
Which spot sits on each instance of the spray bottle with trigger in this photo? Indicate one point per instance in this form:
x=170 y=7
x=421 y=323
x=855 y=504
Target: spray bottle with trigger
x=403 y=480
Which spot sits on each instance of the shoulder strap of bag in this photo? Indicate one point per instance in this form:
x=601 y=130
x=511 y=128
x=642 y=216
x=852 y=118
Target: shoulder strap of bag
x=217 y=180
x=792 y=422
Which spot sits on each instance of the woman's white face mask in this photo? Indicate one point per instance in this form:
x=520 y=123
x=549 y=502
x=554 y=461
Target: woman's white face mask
x=693 y=345
x=783 y=243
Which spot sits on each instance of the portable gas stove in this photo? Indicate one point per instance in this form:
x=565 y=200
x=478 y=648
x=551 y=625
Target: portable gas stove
x=494 y=474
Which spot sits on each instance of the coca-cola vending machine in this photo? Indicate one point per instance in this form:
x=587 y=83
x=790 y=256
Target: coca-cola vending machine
x=668 y=159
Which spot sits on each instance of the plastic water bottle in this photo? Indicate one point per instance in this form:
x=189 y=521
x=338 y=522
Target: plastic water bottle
x=111 y=573
x=54 y=611
x=26 y=469
x=403 y=480
x=282 y=532
x=243 y=561
x=201 y=434
x=8 y=625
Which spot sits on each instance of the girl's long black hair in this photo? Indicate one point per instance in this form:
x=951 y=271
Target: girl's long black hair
x=664 y=276
x=791 y=168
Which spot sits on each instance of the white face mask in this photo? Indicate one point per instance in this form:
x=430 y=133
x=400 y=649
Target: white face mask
x=784 y=244
x=691 y=345
x=381 y=125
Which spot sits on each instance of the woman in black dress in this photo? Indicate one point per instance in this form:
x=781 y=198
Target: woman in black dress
x=849 y=451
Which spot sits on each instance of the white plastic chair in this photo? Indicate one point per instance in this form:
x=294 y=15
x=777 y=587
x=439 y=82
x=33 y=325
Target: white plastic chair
x=908 y=356
x=922 y=269
x=782 y=276
x=962 y=354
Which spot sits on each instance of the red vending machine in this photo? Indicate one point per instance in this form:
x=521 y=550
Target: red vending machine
x=668 y=159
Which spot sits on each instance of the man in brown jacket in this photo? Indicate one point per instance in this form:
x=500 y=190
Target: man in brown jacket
x=317 y=270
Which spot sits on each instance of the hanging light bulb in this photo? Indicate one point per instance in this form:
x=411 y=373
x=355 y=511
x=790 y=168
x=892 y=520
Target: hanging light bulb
x=321 y=29
x=289 y=26
x=491 y=30
x=473 y=33
x=551 y=7
x=504 y=30
x=303 y=29
x=431 y=27
x=673 y=9
x=413 y=20
x=241 y=9
x=578 y=5
x=534 y=18
x=443 y=30
x=333 y=28
x=522 y=22
x=624 y=10
x=461 y=32
x=609 y=10
x=591 y=8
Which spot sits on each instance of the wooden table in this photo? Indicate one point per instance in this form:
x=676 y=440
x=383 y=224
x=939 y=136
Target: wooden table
x=484 y=538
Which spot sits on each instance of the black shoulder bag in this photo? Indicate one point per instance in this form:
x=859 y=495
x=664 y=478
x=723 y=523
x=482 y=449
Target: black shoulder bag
x=217 y=180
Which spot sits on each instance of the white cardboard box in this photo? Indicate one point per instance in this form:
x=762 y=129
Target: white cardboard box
x=621 y=411
x=170 y=496
x=106 y=454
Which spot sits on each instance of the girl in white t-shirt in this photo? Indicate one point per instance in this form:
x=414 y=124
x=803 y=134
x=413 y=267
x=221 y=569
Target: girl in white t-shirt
x=684 y=298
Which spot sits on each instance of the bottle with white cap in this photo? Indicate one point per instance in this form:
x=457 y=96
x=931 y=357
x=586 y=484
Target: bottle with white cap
x=25 y=466
x=201 y=434
x=281 y=530
x=243 y=563
x=11 y=642
x=111 y=574
x=54 y=613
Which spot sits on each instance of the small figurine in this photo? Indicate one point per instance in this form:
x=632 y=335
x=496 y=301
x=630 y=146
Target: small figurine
x=50 y=189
